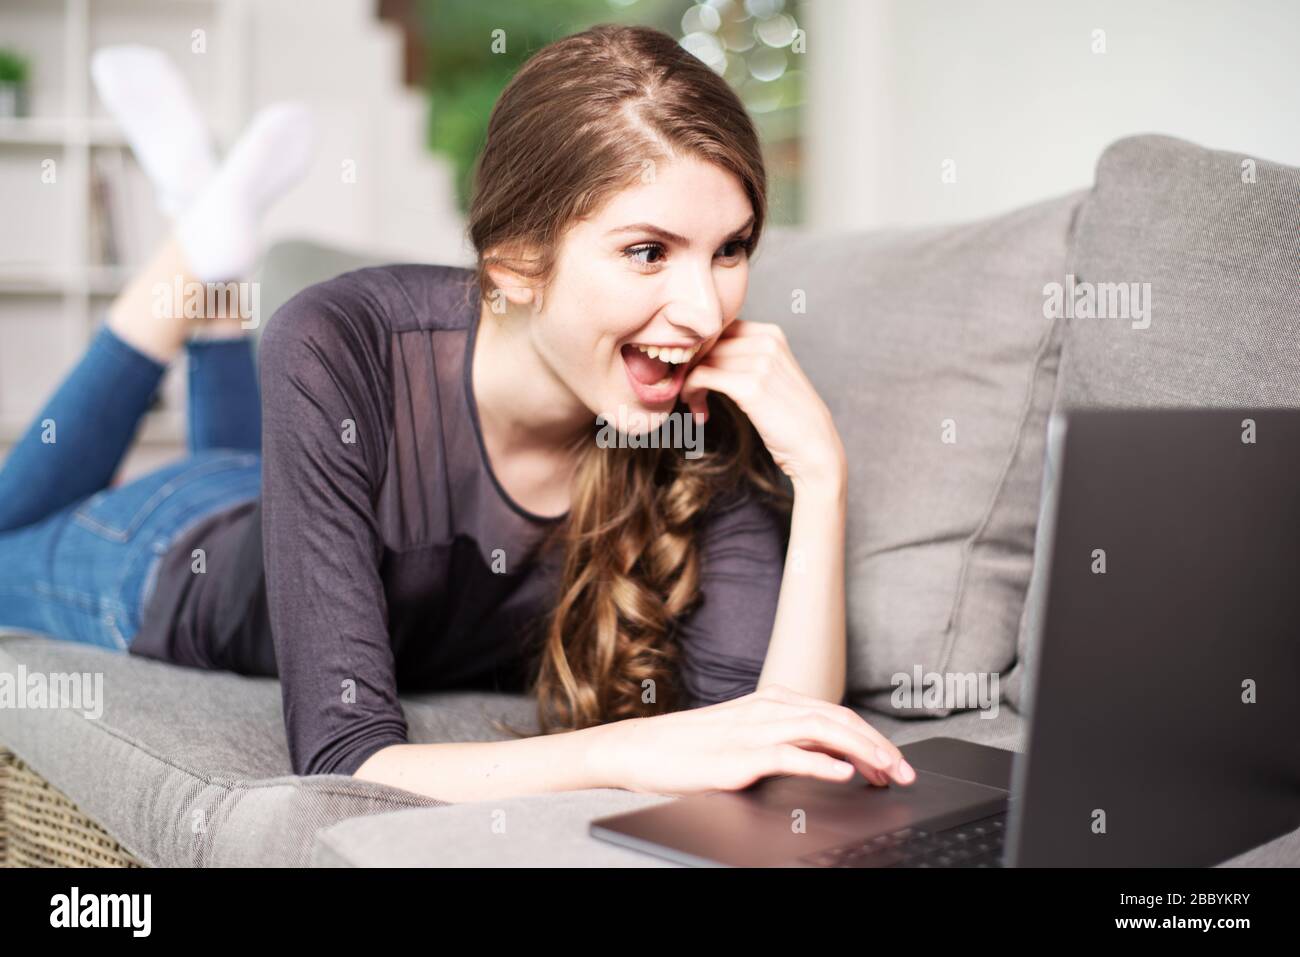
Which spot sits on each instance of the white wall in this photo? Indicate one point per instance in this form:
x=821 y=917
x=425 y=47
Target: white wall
x=398 y=197
x=1011 y=91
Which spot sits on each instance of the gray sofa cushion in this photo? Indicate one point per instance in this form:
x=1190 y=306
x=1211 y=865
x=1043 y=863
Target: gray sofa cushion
x=1222 y=258
x=1223 y=261
x=290 y=266
x=904 y=330
x=190 y=768
x=550 y=830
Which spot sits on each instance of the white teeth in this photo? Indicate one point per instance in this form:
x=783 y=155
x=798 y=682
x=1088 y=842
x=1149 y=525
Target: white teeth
x=675 y=356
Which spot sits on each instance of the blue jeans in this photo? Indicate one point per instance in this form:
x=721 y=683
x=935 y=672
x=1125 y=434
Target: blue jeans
x=77 y=558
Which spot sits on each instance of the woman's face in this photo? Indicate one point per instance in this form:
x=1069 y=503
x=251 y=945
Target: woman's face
x=661 y=268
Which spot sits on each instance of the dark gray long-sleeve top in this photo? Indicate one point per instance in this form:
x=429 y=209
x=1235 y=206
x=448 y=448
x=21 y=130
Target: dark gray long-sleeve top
x=383 y=555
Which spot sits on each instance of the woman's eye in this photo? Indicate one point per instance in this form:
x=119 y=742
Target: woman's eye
x=737 y=246
x=731 y=250
x=636 y=251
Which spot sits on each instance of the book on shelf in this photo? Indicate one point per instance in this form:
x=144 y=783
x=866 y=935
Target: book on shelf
x=124 y=221
x=103 y=242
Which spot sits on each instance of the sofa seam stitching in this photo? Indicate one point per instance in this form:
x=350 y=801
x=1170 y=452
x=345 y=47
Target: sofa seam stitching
x=968 y=546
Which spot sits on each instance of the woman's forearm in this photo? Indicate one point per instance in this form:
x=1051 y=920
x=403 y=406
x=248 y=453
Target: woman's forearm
x=807 y=649
x=484 y=770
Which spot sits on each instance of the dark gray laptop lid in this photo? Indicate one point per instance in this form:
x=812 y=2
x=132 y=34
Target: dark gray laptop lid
x=1172 y=613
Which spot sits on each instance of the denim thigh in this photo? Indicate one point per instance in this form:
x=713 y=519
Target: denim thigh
x=86 y=572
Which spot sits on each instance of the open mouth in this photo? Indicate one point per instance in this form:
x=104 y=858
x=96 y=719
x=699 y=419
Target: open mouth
x=657 y=372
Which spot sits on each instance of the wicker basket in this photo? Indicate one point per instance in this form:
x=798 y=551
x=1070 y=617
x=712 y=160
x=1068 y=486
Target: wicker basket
x=39 y=827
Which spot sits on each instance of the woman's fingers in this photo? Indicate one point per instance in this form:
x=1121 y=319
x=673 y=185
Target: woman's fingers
x=784 y=699
x=743 y=375
x=788 y=759
x=867 y=754
x=747 y=328
x=873 y=775
x=838 y=712
x=850 y=718
x=754 y=367
x=751 y=363
x=739 y=386
x=747 y=345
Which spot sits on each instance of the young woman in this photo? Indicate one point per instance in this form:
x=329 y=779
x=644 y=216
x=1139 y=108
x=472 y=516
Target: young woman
x=420 y=501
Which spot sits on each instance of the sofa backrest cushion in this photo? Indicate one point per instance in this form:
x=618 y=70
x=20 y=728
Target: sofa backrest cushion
x=932 y=351
x=1212 y=240
x=1218 y=246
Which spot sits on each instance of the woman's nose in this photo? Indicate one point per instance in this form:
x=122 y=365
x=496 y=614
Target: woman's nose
x=695 y=304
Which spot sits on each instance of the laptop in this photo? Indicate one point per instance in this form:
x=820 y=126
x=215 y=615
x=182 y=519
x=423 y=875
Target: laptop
x=1161 y=704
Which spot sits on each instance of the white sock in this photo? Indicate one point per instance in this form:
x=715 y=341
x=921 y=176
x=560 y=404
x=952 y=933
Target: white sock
x=218 y=233
x=151 y=101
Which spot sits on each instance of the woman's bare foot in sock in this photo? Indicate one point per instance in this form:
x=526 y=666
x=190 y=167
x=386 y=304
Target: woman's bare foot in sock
x=218 y=209
x=219 y=230
x=149 y=99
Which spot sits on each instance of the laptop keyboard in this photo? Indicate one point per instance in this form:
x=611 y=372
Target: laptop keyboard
x=976 y=844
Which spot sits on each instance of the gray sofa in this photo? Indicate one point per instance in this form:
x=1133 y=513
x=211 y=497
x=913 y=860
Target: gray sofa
x=933 y=350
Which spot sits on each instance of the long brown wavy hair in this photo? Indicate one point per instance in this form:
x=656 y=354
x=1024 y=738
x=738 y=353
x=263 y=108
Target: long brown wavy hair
x=574 y=126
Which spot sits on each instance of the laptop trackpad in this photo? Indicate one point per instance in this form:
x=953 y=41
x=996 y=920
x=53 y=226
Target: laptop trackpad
x=861 y=810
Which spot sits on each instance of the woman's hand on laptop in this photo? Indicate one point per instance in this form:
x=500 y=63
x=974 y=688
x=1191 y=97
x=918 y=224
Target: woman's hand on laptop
x=731 y=745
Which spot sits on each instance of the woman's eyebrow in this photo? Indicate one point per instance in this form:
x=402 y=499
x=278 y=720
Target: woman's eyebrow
x=671 y=237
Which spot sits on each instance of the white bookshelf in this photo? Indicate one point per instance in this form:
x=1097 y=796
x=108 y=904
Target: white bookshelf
x=54 y=282
x=337 y=56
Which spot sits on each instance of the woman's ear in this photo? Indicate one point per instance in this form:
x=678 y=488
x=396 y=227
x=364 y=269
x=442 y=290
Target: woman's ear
x=512 y=287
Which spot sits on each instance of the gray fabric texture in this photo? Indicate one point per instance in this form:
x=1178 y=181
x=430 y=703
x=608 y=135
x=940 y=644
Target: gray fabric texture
x=551 y=830
x=292 y=265
x=1223 y=261
x=1222 y=258
x=903 y=331
x=191 y=768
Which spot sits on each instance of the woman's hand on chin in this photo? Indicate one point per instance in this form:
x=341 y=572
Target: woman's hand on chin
x=752 y=364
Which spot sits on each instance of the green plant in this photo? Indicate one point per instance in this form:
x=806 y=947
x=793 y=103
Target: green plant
x=13 y=68
x=466 y=74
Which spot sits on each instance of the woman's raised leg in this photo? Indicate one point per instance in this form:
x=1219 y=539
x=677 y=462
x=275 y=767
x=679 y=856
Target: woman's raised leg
x=225 y=408
x=78 y=439
x=76 y=442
